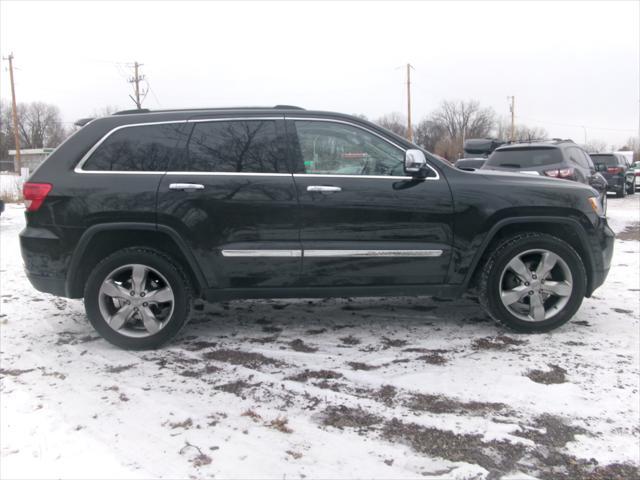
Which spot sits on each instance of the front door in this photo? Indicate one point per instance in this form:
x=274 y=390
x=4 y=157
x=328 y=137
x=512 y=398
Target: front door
x=231 y=198
x=363 y=221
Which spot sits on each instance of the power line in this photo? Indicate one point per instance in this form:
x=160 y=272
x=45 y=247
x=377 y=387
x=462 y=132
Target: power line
x=577 y=126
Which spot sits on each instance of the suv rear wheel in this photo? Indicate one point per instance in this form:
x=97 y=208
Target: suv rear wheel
x=137 y=298
x=533 y=282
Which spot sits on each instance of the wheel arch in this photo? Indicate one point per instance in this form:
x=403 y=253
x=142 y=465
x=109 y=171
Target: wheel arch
x=565 y=228
x=98 y=241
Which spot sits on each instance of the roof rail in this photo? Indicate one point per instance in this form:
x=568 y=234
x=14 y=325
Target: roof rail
x=288 y=107
x=146 y=110
x=129 y=112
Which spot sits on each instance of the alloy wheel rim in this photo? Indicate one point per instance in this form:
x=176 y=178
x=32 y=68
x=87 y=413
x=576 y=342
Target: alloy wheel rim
x=136 y=300
x=535 y=285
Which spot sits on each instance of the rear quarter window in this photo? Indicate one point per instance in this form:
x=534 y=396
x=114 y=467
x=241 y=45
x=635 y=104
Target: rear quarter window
x=524 y=157
x=145 y=148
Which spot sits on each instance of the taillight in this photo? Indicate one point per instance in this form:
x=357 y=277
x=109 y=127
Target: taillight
x=560 y=173
x=614 y=170
x=34 y=194
x=637 y=174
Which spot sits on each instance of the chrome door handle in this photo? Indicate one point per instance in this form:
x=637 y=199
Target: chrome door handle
x=323 y=189
x=186 y=186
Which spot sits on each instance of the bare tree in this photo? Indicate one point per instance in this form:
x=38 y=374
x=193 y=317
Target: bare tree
x=40 y=125
x=522 y=133
x=394 y=122
x=596 y=146
x=464 y=119
x=428 y=133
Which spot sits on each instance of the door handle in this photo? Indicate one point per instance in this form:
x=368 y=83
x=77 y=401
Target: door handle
x=323 y=189
x=186 y=186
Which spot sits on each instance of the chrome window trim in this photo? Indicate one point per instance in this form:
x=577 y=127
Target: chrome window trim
x=78 y=168
x=235 y=174
x=329 y=175
x=372 y=253
x=355 y=125
x=261 y=253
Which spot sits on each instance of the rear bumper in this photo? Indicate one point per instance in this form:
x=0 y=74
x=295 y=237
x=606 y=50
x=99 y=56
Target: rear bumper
x=52 y=285
x=46 y=259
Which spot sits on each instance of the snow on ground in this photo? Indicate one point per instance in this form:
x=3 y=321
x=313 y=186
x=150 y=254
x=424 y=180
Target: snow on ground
x=373 y=387
x=10 y=186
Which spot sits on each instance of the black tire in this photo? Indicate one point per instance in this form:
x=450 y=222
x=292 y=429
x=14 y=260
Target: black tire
x=489 y=285
x=622 y=192
x=175 y=278
x=632 y=188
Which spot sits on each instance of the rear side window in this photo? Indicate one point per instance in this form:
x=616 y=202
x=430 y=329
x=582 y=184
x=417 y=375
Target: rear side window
x=146 y=148
x=250 y=146
x=524 y=157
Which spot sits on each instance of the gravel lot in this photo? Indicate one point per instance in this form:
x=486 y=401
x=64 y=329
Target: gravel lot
x=373 y=387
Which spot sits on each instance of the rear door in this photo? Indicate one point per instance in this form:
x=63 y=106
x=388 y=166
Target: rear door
x=232 y=198
x=363 y=222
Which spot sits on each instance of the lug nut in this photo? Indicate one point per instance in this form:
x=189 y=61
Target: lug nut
x=142 y=294
x=534 y=276
x=526 y=284
x=145 y=304
x=132 y=293
x=530 y=292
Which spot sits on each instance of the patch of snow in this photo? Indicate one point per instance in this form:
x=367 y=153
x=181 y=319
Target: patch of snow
x=73 y=406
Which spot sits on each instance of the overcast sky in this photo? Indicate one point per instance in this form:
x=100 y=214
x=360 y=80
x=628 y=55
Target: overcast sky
x=568 y=64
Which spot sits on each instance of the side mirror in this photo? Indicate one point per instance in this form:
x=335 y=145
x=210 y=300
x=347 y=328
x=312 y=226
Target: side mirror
x=415 y=163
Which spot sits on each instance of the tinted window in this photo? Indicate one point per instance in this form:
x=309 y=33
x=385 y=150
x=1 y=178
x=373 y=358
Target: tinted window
x=605 y=161
x=524 y=157
x=339 y=149
x=251 y=146
x=144 y=148
x=577 y=156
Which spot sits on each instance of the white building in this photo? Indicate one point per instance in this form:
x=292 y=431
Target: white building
x=30 y=157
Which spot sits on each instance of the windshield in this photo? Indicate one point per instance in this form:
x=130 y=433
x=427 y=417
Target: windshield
x=524 y=157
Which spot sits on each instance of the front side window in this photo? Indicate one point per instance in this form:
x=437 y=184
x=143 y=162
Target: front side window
x=339 y=149
x=146 y=148
x=249 y=146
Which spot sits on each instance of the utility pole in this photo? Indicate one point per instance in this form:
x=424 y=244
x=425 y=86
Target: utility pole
x=512 y=108
x=14 y=109
x=409 y=130
x=136 y=79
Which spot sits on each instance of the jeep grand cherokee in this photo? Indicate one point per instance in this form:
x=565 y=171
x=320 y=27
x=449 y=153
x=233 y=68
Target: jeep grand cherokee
x=141 y=212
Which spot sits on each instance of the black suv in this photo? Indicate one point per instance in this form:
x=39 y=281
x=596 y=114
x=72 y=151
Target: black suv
x=617 y=171
x=141 y=213
x=556 y=158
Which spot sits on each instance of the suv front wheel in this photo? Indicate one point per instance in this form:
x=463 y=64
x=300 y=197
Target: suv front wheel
x=137 y=298
x=533 y=282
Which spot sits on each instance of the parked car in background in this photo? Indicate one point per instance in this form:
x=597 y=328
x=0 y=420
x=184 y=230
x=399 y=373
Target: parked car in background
x=138 y=213
x=470 y=163
x=616 y=169
x=1 y=206
x=562 y=159
x=636 y=172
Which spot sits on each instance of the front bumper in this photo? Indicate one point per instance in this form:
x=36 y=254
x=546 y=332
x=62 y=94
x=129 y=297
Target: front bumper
x=602 y=249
